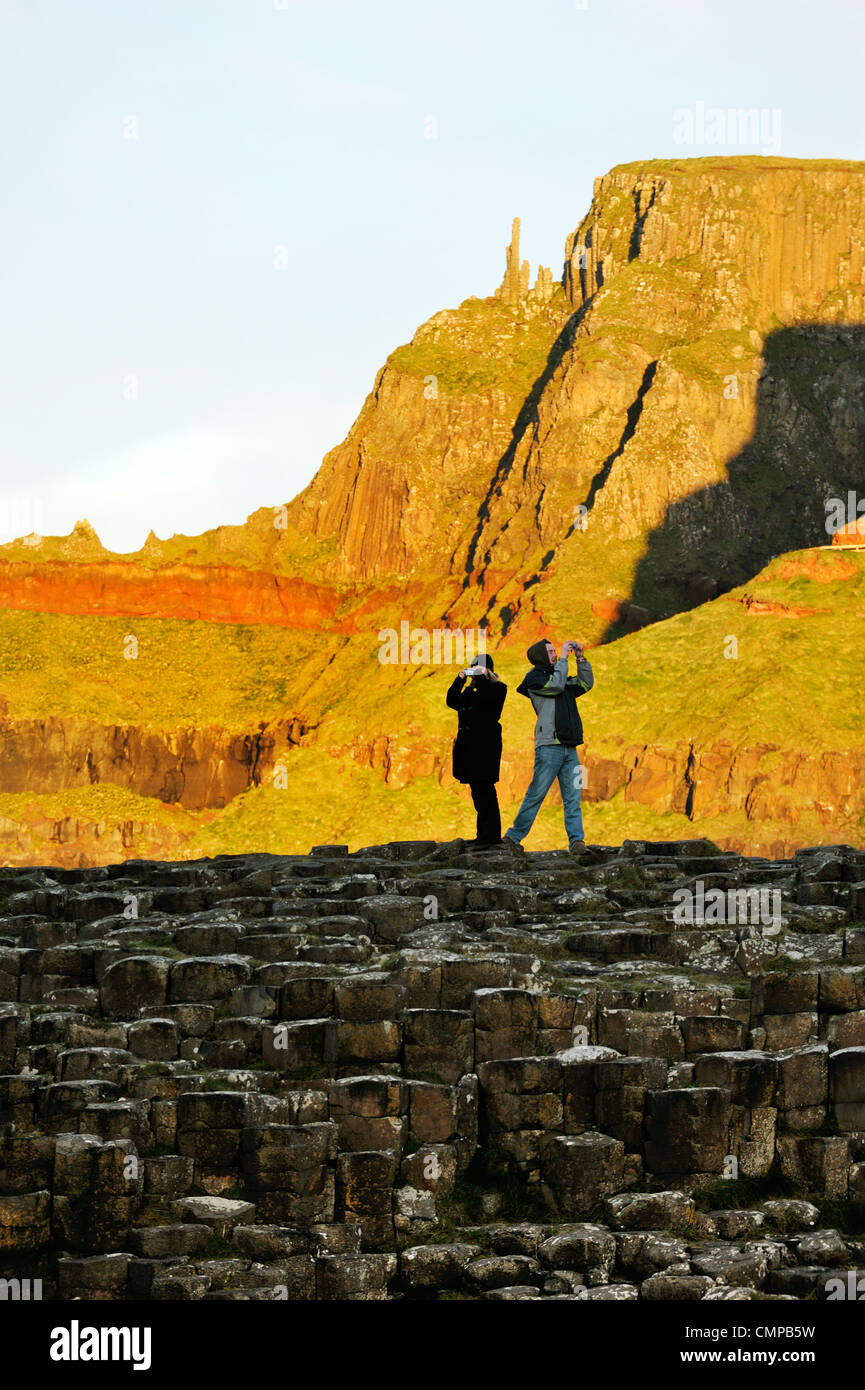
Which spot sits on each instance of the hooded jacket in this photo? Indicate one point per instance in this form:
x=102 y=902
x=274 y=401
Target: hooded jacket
x=554 y=696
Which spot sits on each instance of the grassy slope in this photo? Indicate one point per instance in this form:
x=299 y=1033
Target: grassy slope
x=796 y=683
x=482 y=348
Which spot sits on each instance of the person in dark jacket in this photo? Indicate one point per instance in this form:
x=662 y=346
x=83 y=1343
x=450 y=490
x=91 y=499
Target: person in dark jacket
x=477 y=748
x=558 y=733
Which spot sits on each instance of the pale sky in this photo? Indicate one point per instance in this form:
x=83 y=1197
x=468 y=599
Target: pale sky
x=218 y=217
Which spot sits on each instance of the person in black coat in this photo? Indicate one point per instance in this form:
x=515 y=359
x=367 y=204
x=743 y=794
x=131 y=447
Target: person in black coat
x=478 y=745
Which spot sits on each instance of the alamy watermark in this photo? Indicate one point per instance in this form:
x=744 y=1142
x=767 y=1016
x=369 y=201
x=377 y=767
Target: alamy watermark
x=841 y=513
x=760 y=906
x=752 y=126
x=852 y=1288
x=440 y=647
x=22 y=518
x=77 y=1343
x=20 y=1290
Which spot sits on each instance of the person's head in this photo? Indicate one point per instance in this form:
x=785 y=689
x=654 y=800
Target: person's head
x=542 y=653
x=482 y=660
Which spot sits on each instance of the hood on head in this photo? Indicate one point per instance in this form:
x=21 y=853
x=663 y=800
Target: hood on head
x=483 y=660
x=538 y=654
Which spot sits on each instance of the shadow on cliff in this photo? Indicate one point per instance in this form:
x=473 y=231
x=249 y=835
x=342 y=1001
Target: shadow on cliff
x=808 y=445
x=527 y=417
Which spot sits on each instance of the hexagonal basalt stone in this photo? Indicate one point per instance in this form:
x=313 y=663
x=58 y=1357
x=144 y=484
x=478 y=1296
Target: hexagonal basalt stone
x=221 y=1214
x=847 y=1088
x=206 y=977
x=424 y=1267
x=500 y=1271
x=750 y=1077
x=579 y=1170
x=25 y=1222
x=687 y=1131
x=369 y=998
x=353 y=1277
x=440 y=1042
x=650 y=1211
x=133 y=984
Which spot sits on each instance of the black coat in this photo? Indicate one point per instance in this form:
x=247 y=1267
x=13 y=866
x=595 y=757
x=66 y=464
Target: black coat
x=478 y=744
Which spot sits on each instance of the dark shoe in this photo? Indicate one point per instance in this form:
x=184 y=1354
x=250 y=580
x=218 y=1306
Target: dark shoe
x=577 y=847
x=509 y=844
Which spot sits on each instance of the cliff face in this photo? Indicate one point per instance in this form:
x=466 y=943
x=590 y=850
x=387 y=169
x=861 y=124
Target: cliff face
x=217 y=593
x=692 y=387
x=779 y=238
x=647 y=431
x=402 y=492
x=191 y=767
x=589 y=455
x=711 y=398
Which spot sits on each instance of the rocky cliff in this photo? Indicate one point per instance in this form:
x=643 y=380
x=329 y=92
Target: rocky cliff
x=696 y=388
x=596 y=454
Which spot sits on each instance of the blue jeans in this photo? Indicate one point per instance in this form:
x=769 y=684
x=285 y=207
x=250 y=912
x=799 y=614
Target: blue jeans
x=557 y=760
